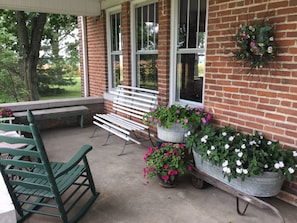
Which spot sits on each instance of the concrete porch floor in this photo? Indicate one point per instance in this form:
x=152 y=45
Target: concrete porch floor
x=126 y=198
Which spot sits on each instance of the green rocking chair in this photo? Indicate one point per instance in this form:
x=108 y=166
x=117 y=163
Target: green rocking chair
x=62 y=190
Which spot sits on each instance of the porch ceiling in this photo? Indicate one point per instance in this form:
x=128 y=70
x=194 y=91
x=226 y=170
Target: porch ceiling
x=71 y=7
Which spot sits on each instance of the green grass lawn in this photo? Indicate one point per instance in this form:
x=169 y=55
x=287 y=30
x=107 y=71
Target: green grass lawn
x=73 y=91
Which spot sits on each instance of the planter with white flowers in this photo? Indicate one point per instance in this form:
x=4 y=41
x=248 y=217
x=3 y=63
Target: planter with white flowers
x=251 y=164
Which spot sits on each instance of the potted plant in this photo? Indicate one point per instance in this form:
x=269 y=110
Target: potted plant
x=242 y=160
x=174 y=121
x=167 y=162
x=6 y=115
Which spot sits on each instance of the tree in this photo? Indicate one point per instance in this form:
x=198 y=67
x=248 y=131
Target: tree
x=32 y=33
x=30 y=28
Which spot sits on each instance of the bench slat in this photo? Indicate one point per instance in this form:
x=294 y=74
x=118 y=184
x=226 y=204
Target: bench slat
x=120 y=121
x=119 y=134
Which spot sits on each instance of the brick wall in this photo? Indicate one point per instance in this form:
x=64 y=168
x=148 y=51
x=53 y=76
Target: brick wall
x=265 y=100
x=97 y=55
x=163 y=51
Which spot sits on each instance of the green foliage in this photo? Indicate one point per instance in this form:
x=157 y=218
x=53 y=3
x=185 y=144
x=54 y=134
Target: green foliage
x=242 y=155
x=167 y=161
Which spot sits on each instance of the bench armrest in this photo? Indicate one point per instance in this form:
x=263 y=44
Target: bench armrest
x=74 y=160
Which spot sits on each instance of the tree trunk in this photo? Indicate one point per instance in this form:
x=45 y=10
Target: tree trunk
x=29 y=43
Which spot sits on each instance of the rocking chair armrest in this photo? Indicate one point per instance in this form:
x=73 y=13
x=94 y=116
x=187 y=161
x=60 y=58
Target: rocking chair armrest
x=74 y=160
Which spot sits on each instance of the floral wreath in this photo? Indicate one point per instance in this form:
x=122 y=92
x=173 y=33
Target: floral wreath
x=257 y=46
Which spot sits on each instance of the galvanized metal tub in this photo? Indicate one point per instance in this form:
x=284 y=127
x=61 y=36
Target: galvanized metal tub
x=267 y=185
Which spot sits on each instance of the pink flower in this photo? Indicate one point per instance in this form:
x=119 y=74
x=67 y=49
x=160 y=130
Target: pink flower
x=186 y=120
x=149 y=149
x=170 y=172
x=177 y=121
x=174 y=172
x=166 y=178
x=151 y=119
x=189 y=168
x=177 y=111
x=165 y=166
x=252 y=44
x=167 y=154
x=144 y=172
x=145 y=157
x=203 y=120
x=208 y=117
x=152 y=169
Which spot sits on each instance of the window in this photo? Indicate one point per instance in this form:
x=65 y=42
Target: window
x=115 y=65
x=146 y=41
x=189 y=50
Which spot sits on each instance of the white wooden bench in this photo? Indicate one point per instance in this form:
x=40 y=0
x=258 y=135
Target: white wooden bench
x=52 y=113
x=129 y=105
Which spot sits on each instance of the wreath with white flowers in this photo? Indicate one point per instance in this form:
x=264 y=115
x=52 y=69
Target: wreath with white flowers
x=257 y=46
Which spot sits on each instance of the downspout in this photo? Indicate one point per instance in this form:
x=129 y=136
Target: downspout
x=85 y=56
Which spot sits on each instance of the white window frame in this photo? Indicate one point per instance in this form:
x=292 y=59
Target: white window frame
x=133 y=6
x=173 y=57
x=109 y=12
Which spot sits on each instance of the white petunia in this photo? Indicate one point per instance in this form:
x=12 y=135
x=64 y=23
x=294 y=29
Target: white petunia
x=212 y=148
x=224 y=133
x=240 y=154
x=269 y=142
x=276 y=166
x=227 y=146
x=239 y=170
x=225 y=163
x=291 y=170
x=243 y=146
x=227 y=170
x=294 y=153
x=266 y=166
x=245 y=171
x=281 y=164
x=238 y=163
x=231 y=138
x=187 y=134
x=208 y=152
x=253 y=142
x=204 y=139
x=237 y=150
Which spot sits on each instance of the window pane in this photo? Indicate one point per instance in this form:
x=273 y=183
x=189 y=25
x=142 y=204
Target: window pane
x=147 y=27
x=183 y=24
x=116 y=32
x=193 y=15
x=202 y=23
x=117 y=70
x=190 y=73
x=147 y=73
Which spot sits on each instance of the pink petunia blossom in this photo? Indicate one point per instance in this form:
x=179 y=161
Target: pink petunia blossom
x=165 y=166
x=166 y=178
x=186 y=120
x=203 y=120
x=189 y=168
x=152 y=169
